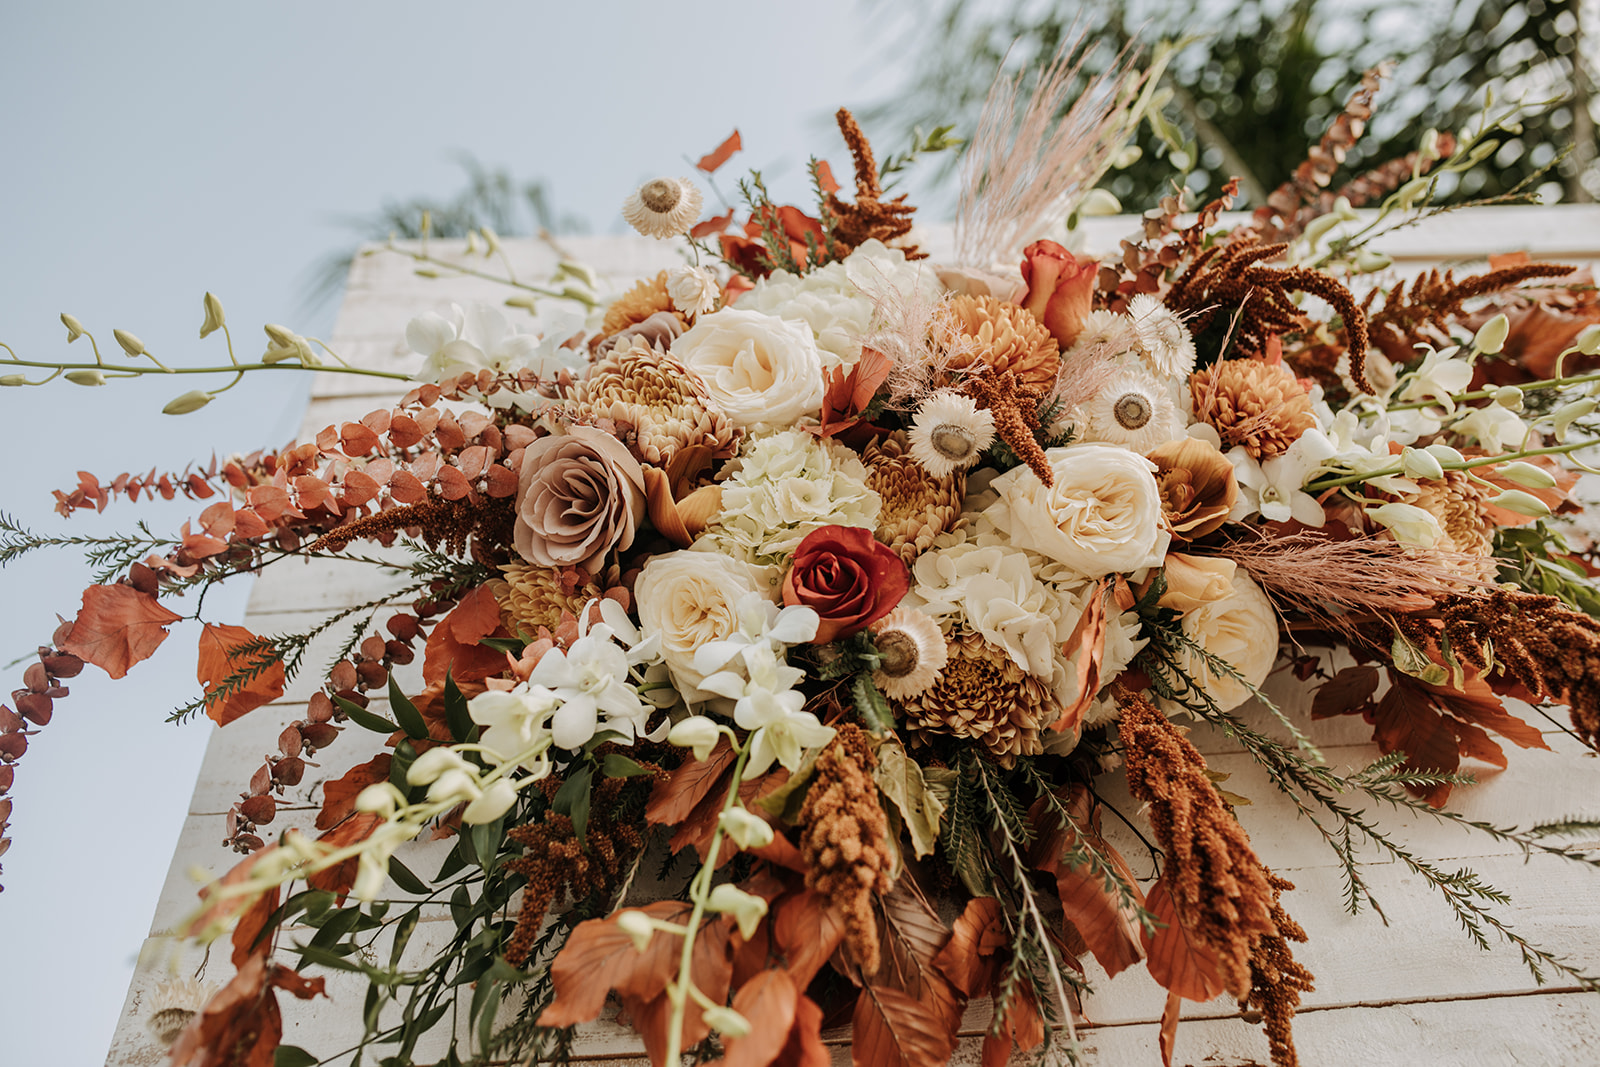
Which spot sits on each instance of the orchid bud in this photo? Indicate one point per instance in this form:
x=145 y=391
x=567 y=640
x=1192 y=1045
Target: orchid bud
x=495 y=802
x=371 y=872
x=1509 y=397
x=454 y=785
x=1569 y=413
x=1099 y=202
x=491 y=239
x=637 y=925
x=193 y=400
x=1370 y=262
x=1318 y=227
x=696 y=732
x=472 y=242
x=86 y=377
x=425 y=272
x=1430 y=145
x=747 y=829
x=433 y=763
x=214 y=316
x=747 y=909
x=1410 y=524
x=13 y=379
x=1418 y=464
x=522 y=300
x=75 y=328
x=1527 y=474
x=381 y=798
x=1491 y=336
x=581 y=271
x=281 y=336
x=1588 y=340
x=726 y=1022
x=1445 y=454
x=1521 y=503
x=130 y=344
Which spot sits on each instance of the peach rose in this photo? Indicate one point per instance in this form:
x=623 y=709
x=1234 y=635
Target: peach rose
x=579 y=495
x=1060 y=289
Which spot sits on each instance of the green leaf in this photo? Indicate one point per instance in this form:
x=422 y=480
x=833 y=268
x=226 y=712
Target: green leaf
x=486 y=1000
x=512 y=645
x=784 y=802
x=900 y=779
x=402 y=934
x=461 y=907
x=486 y=842
x=405 y=754
x=336 y=927
x=404 y=878
x=617 y=765
x=572 y=799
x=405 y=712
x=871 y=706
x=293 y=1056
x=601 y=737
x=362 y=717
x=462 y=728
x=324 y=958
x=456 y=860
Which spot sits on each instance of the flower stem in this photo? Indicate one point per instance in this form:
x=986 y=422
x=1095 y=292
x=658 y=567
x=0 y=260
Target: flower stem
x=1320 y=485
x=1484 y=394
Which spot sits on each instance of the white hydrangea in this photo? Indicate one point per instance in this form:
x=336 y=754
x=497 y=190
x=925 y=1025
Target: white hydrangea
x=787 y=485
x=836 y=301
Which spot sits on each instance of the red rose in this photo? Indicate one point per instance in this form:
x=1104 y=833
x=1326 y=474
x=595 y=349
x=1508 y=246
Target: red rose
x=1060 y=289
x=846 y=577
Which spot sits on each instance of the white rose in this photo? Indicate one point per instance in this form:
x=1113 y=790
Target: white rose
x=1242 y=630
x=763 y=372
x=689 y=599
x=1102 y=516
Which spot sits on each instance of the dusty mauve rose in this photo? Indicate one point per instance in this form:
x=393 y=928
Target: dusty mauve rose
x=1060 y=289
x=580 y=494
x=847 y=577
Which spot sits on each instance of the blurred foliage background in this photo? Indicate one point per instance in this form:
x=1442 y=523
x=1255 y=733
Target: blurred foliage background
x=1256 y=82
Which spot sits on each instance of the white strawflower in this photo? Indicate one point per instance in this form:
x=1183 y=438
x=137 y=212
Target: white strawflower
x=1133 y=411
x=949 y=433
x=1106 y=332
x=913 y=650
x=693 y=290
x=1163 y=338
x=665 y=207
x=174 y=1006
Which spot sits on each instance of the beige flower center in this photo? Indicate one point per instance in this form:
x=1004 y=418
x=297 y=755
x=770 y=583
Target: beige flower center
x=1132 y=411
x=899 y=654
x=952 y=442
x=661 y=195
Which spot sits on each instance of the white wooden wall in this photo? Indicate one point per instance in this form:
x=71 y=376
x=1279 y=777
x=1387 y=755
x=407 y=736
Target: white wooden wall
x=1414 y=992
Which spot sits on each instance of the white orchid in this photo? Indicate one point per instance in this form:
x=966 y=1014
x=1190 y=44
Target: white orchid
x=1440 y=375
x=514 y=722
x=767 y=704
x=762 y=625
x=1493 y=427
x=1275 y=487
x=1410 y=524
x=476 y=338
x=589 y=678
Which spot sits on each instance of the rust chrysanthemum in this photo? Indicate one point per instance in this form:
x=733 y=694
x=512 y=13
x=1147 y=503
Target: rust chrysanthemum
x=983 y=696
x=917 y=507
x=663 y=405
x=845 y=839
x=1258 y=405
x=973 y=330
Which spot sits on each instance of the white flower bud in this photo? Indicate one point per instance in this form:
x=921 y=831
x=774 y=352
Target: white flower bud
x=1588 y=340
x=1509 y=397
x=637 y=925
x=1410 y=524
x=86 y=377
x=193 y=400
x=581 y=271
x=380 y=798
x=472 y=242
x=491 y=239
x=726 y=1022
x=214 y=316
x=75 y=328
x=1419 y=464
x=495 y=802
x=1370 y=262
x=1521 y=503
x=1491 y=336
x=747 y=909
x=281 y=336
x=433 y=763
x=1430 y=144
x=1445 y=454
x=1527 y=474
x=1569 y=413
x=747 y=829
x=522 y=300
x=1099 y=202
x=13 y=379
x=371 y=872
x=130 y=344
x=696 y=732
x=455 y=785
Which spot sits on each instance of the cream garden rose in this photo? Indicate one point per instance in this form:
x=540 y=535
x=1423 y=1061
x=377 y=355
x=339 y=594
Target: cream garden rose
x=689 y=599
x=1241 y=629
x=764 y=372
x=1102 y=516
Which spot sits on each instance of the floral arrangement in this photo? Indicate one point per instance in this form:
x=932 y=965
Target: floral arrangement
x=777 y=617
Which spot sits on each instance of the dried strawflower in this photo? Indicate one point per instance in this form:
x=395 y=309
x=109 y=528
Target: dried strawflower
x=845 y=839
x=1258 y=405
x=694 y=290
x=917 y=506
x=1197 y=484
x=664 y=207
x=974 y=330
x=1132 y=410
x=949 y=433
x=983 y=695
x=1163 y=339
x=174 y=1006
x=1109 y=332
x=913 y=651
x=664 y=406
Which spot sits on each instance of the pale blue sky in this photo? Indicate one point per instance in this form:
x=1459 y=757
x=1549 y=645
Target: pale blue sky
x=149 y=152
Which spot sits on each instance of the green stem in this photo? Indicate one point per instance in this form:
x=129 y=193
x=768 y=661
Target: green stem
x=129 y=372
x=1484 y=394
x=1320 y=485
x=699 y=891
x=424 y=257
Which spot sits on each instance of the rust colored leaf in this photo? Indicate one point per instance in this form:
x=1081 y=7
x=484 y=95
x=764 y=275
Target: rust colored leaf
x=1180 y=964
x=338 y=879
x=911 y=937
x=117 y=627
x=804 y=1047
x=719 y=155
x=339 y=795
x=1110 y=931
x=1347 y=692
x=407 y=488
x=502 y=481
x=241 y=1025
x=1022 y=1027
x=250 y=927
x=248 y=525
x=219 y=660
x=825 y=178
x=967 y=959
x=1088 y=644
x=1407 y=721
x=1476 y=703
x=673 y=799
x=892 y=1029
x=453 y=646
x=806 y=930
x=217 y=520
x=356 y=439
x=849 y=393
x=769 y=1001
x=714 y=225
x=268 y=501
x=1167 y=1040
x=404 y=431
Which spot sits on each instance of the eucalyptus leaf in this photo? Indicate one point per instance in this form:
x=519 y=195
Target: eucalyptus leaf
x=364 y=718
x=293 y=1056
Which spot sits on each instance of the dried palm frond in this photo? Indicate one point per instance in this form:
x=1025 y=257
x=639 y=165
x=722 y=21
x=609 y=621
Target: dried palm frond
x=1025 y=164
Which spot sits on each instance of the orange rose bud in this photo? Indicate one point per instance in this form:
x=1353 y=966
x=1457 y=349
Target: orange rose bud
x=1060 y=289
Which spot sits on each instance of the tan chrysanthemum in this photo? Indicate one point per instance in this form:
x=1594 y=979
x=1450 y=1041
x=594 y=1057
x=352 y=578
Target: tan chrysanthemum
x=531 y=596
x=1457 y=502
x=1258 y=405
x=982 y=695
x=663 y=402
x=638 y=304
x=917 y=507
x=981 y=329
